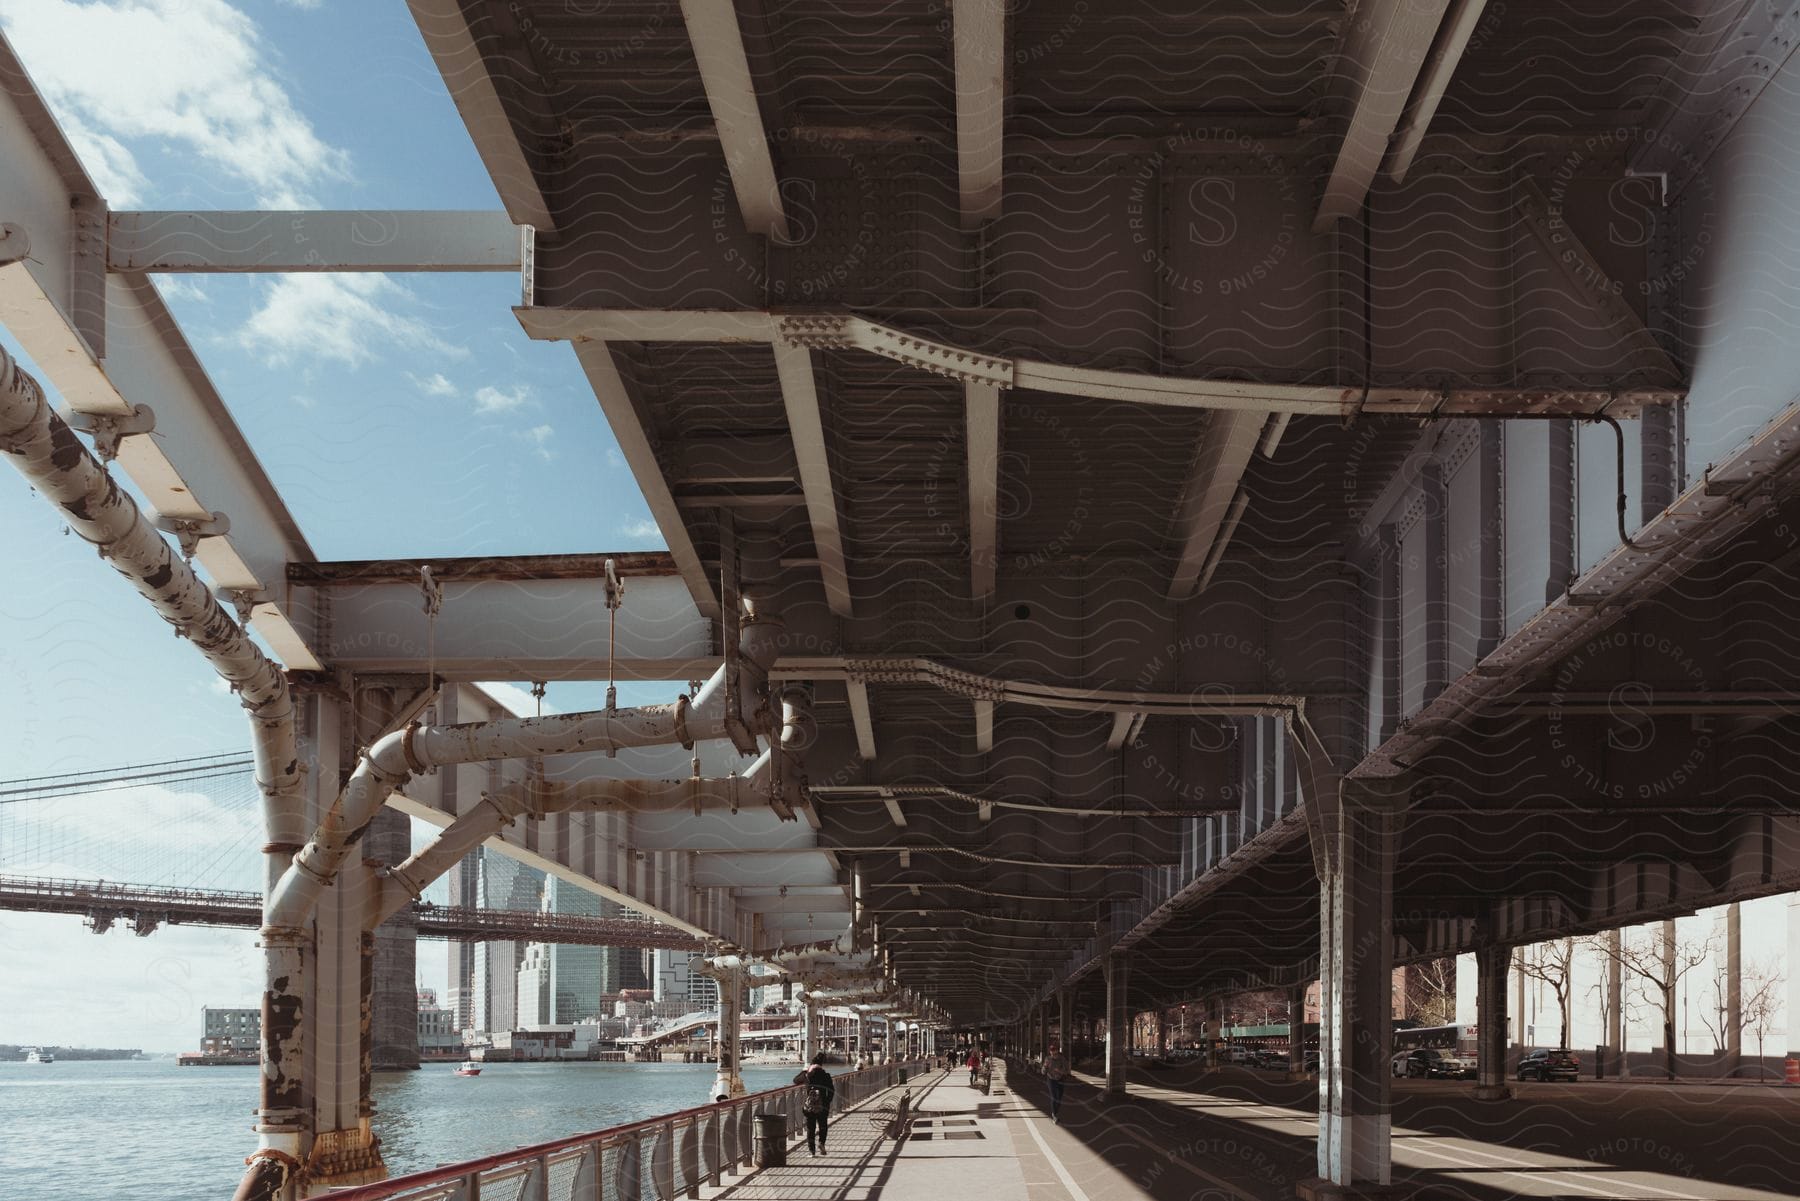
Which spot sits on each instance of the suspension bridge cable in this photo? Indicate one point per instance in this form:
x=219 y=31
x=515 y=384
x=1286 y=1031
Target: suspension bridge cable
x=71 y=786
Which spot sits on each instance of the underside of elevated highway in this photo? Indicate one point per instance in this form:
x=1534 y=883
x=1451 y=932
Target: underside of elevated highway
x=1160 y=501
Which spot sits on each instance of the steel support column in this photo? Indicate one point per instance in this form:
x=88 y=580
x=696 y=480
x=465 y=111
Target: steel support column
x=1118 y=980
x=862 y=1038
x=1490 y=1021
x=731 y=1010
x=1296 y=1000
x=1062 y=1023
x=1356 y=990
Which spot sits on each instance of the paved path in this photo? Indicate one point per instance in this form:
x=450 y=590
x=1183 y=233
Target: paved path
x=1231 y=1136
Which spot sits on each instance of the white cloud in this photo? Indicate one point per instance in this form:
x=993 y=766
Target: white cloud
x=614 y=458
x=497 y=400
x=435 y=385
x=539 y=436
x=641 y=530
x=180 y=287
x=349 y=318
x=192 y=73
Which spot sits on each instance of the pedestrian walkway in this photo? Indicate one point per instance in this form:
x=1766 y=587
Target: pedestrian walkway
x=1233 y=1136
x=957 y=1142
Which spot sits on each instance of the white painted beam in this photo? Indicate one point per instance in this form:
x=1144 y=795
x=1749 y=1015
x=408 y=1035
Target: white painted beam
x=522 y=630
x=1122 y=724
x=472 y=88
x=1384 y=50
x=800 y=396
x=840 y=332
x=1446 y=53
x=718 y=43
x=634 y=443
x=984 y=726
x=1219 y=462
x=371 y=240
x=106 y=344
x=860 y=716
x=981 y=407
x=895 y=814
x=978 y=30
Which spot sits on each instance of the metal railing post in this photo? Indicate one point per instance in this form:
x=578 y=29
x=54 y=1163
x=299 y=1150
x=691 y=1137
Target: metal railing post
x=470 y=1189
x=628 y=1172
x=690 y=1158
x=587 y=1176
x=537 y=1181
x=663 y=1164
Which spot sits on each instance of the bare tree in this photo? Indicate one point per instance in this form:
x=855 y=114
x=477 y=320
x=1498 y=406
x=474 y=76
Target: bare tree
x=1658 y=967
x=1431 y=991
x=1761 y=1001
x=1553 y=963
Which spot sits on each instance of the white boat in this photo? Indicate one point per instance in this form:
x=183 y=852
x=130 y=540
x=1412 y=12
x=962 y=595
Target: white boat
x=468 y=1067
x=36 y=1055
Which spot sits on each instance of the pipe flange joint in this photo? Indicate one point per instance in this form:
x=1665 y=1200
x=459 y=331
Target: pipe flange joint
x=681 y=730
x=413 y=763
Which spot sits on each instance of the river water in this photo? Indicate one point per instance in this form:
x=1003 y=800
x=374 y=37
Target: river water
x=151 y=1131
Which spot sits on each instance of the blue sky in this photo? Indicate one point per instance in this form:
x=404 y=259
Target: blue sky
x=398 y=416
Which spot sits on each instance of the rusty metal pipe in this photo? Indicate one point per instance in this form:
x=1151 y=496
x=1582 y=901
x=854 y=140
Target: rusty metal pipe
x=396 y=758
x=47 y=453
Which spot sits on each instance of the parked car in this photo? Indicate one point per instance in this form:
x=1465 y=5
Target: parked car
x=1235 y=1055
x=1424 y=1062
x=1270 y=1060
x=1310 y=1063
x=1557 y=1064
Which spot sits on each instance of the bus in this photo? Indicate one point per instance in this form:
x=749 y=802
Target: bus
x=1458 y=1040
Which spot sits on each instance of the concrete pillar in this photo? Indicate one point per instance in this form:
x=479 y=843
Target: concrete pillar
x=1118 y=1020
x=1296 y=1000
x=862 y=1038
x=1793 y=975
x=1356 y=988
x=730 y=1082
x=809 y=1030
x=395 y=1017
x=1615 y=999
x=1162 y=1034
x=1491 y=1077
x=1734 y=989
x=1062 y=1022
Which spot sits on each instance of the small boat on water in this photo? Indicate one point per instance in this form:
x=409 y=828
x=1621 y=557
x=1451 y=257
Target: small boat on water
x=468 y=1067
x=38 y=1055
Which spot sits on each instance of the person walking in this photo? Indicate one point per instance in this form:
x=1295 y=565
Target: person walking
x=816 y=1105
x=974 y=1065
x=1056 y=1071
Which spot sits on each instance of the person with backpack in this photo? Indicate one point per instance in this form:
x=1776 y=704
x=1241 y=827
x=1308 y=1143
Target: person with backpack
x=1056 y=1071
x=974 y=1065
x=815 y=1106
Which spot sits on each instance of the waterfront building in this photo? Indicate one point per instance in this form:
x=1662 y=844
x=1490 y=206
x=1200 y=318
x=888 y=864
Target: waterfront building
x=439 y=1033
x=230 y=1031
x=677 y=979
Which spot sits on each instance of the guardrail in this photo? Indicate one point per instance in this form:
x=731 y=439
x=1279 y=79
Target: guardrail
x=657 y=1160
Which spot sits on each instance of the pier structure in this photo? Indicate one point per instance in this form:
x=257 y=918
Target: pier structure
x=1157 y=505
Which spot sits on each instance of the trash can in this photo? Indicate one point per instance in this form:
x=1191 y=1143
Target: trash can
x=771 y=1140
x=902 y=1075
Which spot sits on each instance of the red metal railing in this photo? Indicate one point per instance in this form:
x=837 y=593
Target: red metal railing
x=656 y=1160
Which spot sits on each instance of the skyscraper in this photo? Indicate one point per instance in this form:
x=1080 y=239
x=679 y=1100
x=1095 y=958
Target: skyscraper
x=505 y=883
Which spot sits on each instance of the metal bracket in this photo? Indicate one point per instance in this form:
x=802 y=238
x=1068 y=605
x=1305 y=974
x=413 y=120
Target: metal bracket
x=189 y=530
x=106 y=429
x=15 y=247
x=244 y=600
x=729 y=602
